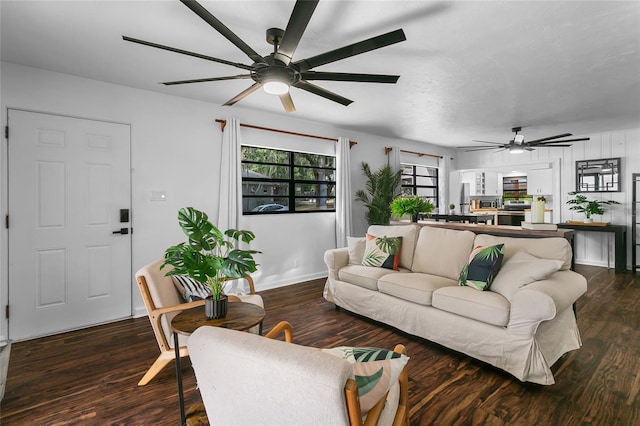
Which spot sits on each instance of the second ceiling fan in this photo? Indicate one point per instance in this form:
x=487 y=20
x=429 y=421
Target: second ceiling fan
x=277 y=72
x=518 y=145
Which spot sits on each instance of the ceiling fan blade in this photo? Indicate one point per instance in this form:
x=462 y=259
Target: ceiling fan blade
x=563 y=141
x=482 y=148
x=351 y=50
x=312 y=88
x=549 y=138
x=495 y=143
x=302 y=12
x=344 y=76
x=186 y=52
x=287 y=102
x=242 y=94
x=204 y=80
x=544 y=145
x=203 y=13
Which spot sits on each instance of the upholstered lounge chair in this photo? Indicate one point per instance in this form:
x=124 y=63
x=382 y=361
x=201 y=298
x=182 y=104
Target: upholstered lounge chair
x=163 y=301
x=283 y=383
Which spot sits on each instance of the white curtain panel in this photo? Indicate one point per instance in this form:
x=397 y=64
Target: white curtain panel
x=230 y=203
x=393 y=158
x=344 y=195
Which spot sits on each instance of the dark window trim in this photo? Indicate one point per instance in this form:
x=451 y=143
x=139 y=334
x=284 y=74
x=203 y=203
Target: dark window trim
x=414 y=187
x=291 y=181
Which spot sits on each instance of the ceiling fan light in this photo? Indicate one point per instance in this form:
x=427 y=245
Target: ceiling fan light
x=274 y=87
x=516 y=150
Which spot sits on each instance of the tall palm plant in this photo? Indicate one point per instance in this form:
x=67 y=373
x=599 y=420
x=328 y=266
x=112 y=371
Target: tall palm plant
x=383 y=186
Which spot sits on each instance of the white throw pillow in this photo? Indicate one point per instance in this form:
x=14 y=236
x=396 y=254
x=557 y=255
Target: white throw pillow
x=356 y=247
x=522 y=269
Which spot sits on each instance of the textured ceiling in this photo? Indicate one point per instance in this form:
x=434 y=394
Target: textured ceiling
x=469 y=70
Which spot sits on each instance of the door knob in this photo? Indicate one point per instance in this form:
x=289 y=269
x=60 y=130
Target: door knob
x=123 y=231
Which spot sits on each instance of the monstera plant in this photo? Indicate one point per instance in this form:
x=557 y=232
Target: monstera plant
x=581 y=204
x=209 y=255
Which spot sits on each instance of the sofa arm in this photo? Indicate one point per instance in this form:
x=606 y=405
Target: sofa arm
x=542 y=300
x=336 y=259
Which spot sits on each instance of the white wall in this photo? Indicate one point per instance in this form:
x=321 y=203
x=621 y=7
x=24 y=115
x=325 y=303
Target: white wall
x=175 y=142
x=591 y=247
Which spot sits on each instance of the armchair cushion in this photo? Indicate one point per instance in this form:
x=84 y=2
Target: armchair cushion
x=375 y=371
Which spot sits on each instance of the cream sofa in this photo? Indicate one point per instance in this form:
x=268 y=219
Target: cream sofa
x=522 y=328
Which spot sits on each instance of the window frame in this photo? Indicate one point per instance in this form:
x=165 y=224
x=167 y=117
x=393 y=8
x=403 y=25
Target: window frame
x=291 y=183
x=414 y=186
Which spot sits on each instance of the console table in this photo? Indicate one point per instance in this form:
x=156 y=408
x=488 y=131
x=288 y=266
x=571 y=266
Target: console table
x=620 y=232
x=469 y=217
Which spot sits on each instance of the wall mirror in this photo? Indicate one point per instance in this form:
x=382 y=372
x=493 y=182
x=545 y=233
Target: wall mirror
x=601 y=175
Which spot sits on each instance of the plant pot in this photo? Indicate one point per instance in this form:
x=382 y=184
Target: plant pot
x=588 y=220
x=452 y=211
x=215 y=309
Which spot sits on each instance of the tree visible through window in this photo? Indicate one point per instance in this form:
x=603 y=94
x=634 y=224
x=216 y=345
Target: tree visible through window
x=275 y=181
x=422 y=181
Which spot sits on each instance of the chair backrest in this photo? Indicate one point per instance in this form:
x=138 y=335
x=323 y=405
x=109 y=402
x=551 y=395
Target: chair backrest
x=158 y=291
x=282 y=383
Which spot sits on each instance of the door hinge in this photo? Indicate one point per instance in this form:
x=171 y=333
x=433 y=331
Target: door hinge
x=6 y=132
x=6 y=311
x=6 y=221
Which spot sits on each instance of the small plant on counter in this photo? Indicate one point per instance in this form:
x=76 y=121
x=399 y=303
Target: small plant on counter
x=541 y=198
x=410 y=205
x=581 y=204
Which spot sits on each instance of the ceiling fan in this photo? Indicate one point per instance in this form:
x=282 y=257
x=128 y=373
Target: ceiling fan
x=518 y=145
x=277 y=72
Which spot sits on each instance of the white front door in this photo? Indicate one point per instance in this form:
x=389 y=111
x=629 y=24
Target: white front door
x=68 y=179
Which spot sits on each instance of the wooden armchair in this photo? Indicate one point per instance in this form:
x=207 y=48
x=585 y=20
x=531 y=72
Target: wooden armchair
x=163 y=302
x=283 y=383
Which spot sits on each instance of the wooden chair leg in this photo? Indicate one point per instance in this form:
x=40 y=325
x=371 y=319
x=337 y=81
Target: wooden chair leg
x=163 y=359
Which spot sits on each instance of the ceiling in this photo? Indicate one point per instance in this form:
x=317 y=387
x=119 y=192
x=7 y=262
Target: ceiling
x=469 y=70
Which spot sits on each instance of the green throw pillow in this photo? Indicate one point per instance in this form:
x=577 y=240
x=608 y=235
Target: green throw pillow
x=375 y=371
x=382 y=252
x=484 y=264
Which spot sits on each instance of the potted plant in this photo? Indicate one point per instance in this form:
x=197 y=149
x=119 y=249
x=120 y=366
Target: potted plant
x=410 y=205
x=209 y=257
x=383 y=186
x=452 y=208
x=581 y=204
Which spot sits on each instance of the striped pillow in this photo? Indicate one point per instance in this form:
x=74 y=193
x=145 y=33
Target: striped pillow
x=189 y=288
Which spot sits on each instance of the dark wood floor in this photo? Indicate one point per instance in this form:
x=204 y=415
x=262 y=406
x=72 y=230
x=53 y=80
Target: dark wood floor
x=89 y=377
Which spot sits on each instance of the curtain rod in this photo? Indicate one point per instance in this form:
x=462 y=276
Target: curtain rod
x=223 y=123
x=387 y=150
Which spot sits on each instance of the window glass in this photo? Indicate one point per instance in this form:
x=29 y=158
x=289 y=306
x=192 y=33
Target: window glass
x=420 y=180
x=275 y=181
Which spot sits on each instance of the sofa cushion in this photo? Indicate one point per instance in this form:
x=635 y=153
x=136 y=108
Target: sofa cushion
x=382 y=252
x=363 y=276
x=356 y=247
x=375 y=371
x=485 y=306
x=546 y=248
x=413 y=286
x=409 y=234
x=442 y=252
x=484 y=263
x=522 y=269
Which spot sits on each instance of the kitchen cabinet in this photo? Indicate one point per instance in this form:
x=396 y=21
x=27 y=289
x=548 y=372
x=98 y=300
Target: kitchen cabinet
x=539 y=182
x=482 y=183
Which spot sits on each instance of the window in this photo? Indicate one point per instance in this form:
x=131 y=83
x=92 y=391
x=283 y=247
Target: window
x=422 y=181
x=275 y=181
